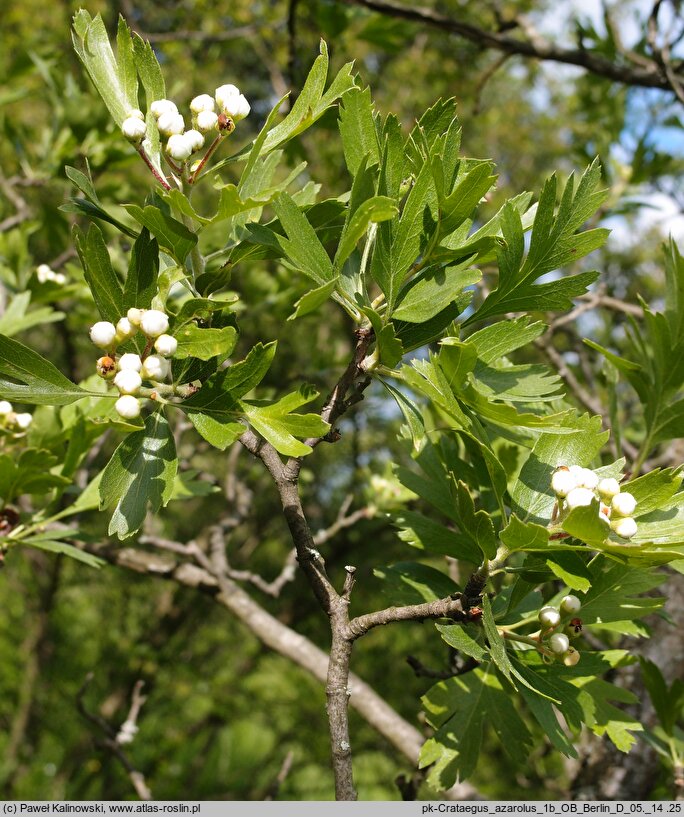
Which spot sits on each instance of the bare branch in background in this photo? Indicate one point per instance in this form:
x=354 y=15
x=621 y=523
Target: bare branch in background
x=111 y=741
x=533 y=46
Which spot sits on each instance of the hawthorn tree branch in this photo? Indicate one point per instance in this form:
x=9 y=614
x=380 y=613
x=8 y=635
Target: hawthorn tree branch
x=404 y=737
x=111 y=740
x=633 y=73
x=443 y=608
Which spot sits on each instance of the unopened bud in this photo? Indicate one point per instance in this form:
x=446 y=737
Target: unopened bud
x=134 y=129
x=128 y=406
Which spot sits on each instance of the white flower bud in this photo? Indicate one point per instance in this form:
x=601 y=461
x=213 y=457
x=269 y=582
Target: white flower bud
x=154 y=323
x=608 y=488
x=124 y=329
x=59 y=278
x=570 y=605
x=130 y=361
x=179 y=147
x=128 y=407
x=201 y=103
x=171 y=124
x=155 y=368
x=134 y=129
x=588 y=479
x=226 y=93
x=23 y=421
x=624 y=526
x=166 y=345
x=563 y=482
x=44 y=273
x=195 y=139
x=623 y=504
x=128 y=381
x=571 y=657
x=136 y=113
x=579 y=497
x=162 y=106
x=134 y=315
x=549 y=617
x=102 y=334
x=576 y=471
x=206 y=121
x=559 y=643
x=5 y=407
x=236 y=107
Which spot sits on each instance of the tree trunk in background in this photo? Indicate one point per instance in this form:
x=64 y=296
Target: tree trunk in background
x=603 y=772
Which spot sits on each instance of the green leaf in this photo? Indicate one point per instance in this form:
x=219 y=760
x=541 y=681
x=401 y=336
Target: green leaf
x=99 y=273
x=302 y=246
x=276 y=422
x=91 y=206
x=312 y=102
x=478 y=526
x=539 y=695
x=532 y=496
x=456 y=636
x=141 y=282
x=127 y=72
x=667 y=702
x=371 y=211
x=570 y=568
x=215 y=408
x=421 y=532
x=388 y=345
x=28 y=473
x=587 y=524
x=91 y=43
x=64 y=549
x=312 y=299
x=231 y=203
x=246 y=375
x=32 y=379
x=204 y=344
x=219 y=433
x=614 y=594
x=459 y=708
x=433 y=290
x=670 y=423
x=411 y=412
x=497 y=646
x=524 y=535
x=555 y=243
x=153 y=82
x=309 y=106
x=398 y=247
x=603 y=718
x=413 y=583
x=140 y=473
x=16 y=318
x=172 y=235
x=503 y=337
x=357 y=128
x=149 y=70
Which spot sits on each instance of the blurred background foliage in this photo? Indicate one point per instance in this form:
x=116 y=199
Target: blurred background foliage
x=224 y=713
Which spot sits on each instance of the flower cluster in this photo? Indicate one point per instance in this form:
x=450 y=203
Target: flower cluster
x=553 y=620
x=208 y=114
x=45 y=273
x=130 y=370
x=11 y=421
x=576 y=486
